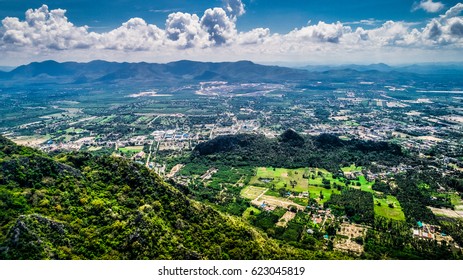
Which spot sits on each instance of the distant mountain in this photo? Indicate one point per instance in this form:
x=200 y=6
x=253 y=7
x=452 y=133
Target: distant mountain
x=103 y=73
x=429 y=68
x=181 y=71
x=323 y=68
x=6 y=68
x=443 y=69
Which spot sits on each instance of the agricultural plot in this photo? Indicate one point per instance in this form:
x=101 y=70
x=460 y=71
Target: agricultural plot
x=280 y=178
x=288 y=216
x=315 y=182
x=299 y=180
x=455 y=214
x=275 y=202
x=322 y=195
x=252 y=192
x=34 y=140
x=382 y=208
x=456 y=201
x=351 y=168
x=362 y=184
x=131 y=149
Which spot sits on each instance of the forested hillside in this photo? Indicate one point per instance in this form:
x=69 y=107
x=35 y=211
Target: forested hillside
x=293 y=150
x=79 y=206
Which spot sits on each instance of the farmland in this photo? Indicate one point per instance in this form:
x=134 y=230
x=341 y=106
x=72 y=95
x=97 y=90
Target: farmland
x=389 y=207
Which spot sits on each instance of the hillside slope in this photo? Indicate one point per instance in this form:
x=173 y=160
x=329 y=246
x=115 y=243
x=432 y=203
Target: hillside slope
x=78 y=206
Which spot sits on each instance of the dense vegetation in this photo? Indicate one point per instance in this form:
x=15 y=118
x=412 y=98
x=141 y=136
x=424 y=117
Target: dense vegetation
x=415 y=188
x=291 y=150
x=355 y=204
x=79 y=206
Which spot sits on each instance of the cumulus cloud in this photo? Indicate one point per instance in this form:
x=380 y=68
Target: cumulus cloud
x=186 y=30
x=234 y=8
x=219 y=26
x=453 y=12
x=255 y=36
x=43 y=28
x=214 y=34
x=429 y=6
x=134 y=34
x=446 y=29
x=322 y=32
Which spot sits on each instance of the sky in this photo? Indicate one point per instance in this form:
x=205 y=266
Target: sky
x=291 y=32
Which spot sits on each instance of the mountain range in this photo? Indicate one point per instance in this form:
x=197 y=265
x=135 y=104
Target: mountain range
x=100 y=72
x=103 y=72
x=427 y=68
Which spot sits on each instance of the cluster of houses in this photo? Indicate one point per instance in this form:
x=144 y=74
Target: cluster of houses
x=430 y=232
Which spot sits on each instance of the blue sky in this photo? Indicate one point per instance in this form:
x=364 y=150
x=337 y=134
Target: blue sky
x=279 y=16
x=291 y=31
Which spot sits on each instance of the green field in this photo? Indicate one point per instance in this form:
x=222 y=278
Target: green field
x=251 y=192
x=315 y=193
x=74 y=130
x=131 y=149
x=364 y=184
x=456 y=201
x=351 y=168
x=282 y=178
x=384 y=210
x=247 y=212
x=309 y=180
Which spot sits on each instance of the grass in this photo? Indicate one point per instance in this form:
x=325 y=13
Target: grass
x=282 y=177
x=247 y=212
x=131 y=149
x=315 y=193
x=75 y=130
x=311 y=180
x=351 y=168
x=384 y=210
x=455 y=200
x=351 y=123
x=365 y=185
x=251 y=192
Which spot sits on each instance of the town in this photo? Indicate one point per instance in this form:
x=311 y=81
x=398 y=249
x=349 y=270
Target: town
x=158 y=129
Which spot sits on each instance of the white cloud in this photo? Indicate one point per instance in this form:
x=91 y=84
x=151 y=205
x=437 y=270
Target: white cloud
x=255 y=36
x=234 y=8
x=446 y=29
x=322 y=32
x=453 y=12
x=135 y=35
x=219 y=26
x=186 y=31
x=368 y=22
x=429 y=6
x=45 y=29
x=213 y=36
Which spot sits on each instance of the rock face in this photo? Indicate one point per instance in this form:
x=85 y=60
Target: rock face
x=35 y=235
